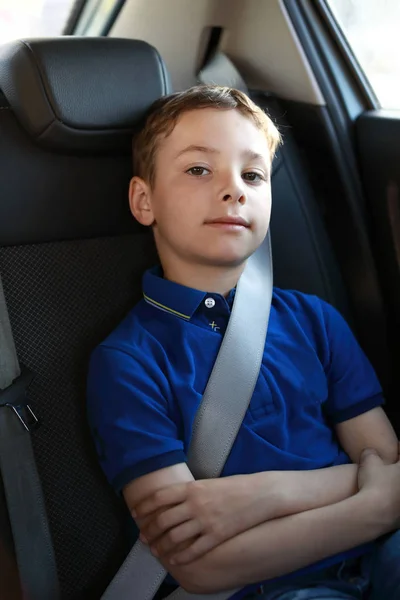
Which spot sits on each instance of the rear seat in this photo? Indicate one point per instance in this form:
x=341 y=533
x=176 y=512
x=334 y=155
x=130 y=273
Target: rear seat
x=71 y=258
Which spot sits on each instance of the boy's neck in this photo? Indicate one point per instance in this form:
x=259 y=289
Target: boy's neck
x=219 y=280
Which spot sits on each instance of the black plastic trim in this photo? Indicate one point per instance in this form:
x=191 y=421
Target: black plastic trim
x=74 y=16
x=90 y=17
x=4 y=104
x=112 y=17
x=83 y=24
x=342 y=44
x=350 y=226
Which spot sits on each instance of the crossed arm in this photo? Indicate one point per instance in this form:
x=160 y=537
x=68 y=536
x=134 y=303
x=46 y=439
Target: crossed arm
x=219 y=534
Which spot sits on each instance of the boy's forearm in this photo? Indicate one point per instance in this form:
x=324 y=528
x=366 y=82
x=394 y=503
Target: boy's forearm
x=284 y=545
x=305 y=490
x=281 y=493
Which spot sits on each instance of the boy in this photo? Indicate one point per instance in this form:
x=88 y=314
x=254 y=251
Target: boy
x=289 y=497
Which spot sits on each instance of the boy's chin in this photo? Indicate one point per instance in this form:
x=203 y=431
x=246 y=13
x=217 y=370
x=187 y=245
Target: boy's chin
x=233 y=257
x=226 y=260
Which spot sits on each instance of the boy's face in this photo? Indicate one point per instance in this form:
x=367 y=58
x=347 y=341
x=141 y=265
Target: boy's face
x=215 y=165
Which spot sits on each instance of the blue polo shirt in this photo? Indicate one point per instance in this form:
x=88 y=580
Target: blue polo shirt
x=146 y=382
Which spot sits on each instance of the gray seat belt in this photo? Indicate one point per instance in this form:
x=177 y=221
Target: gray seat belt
x=222 y=410
x=23 y=491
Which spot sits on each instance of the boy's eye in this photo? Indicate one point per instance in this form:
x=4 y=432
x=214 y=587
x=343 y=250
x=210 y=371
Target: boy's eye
x=198 y=171
x=252 y=177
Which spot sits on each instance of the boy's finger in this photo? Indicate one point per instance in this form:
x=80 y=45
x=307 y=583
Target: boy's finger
x=154 y=528
x=200 y=546
x=179 y=535
x=174 y=494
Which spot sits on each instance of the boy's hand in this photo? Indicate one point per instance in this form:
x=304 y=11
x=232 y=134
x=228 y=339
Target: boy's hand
x=198 y=514
x=382 y=480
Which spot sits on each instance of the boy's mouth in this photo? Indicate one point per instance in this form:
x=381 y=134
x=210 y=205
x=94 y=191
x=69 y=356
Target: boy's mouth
x=229 y=222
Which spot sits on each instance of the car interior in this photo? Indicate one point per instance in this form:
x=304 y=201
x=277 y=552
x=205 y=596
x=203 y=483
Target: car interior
x=72 y=257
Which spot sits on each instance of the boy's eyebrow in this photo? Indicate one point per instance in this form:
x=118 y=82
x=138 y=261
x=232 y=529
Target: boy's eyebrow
x=196 y=148
x=208 y=150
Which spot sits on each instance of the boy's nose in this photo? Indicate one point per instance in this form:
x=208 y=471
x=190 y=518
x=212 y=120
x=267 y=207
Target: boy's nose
x=230 y=198
x=233 y=192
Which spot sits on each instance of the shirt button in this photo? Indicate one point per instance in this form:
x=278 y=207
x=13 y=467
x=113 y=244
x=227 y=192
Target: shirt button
x=209 y=302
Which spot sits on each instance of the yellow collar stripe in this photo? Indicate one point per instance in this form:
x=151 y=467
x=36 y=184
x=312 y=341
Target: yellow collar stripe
x=166 y=308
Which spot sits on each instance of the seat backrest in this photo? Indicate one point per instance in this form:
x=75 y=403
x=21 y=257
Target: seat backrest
x=71 y=259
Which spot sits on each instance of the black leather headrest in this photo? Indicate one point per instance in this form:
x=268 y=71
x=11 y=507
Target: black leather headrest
x=81 y=94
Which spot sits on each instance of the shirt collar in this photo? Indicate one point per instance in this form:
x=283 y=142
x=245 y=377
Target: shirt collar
x=172 y=297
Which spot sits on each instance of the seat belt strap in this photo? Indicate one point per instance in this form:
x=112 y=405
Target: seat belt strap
x=9 y=367
x=235 y=372
x=23 y=491
x=219 y=417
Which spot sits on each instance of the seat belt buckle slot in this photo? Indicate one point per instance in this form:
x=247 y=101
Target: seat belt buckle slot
x=25 y=415
x=15 y=397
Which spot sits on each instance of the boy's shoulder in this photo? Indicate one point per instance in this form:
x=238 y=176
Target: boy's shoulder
x=294 y=299
x=131 y=331
x=298 y=314
x=301 y=304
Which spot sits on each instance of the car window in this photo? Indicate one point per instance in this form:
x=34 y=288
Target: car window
x=372 y=30
x=32 y=18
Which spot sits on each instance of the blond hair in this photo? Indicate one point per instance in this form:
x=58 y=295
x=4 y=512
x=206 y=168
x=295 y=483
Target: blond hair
x=165 y=112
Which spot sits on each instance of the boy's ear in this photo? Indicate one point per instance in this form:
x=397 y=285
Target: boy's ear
x=140 y=201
